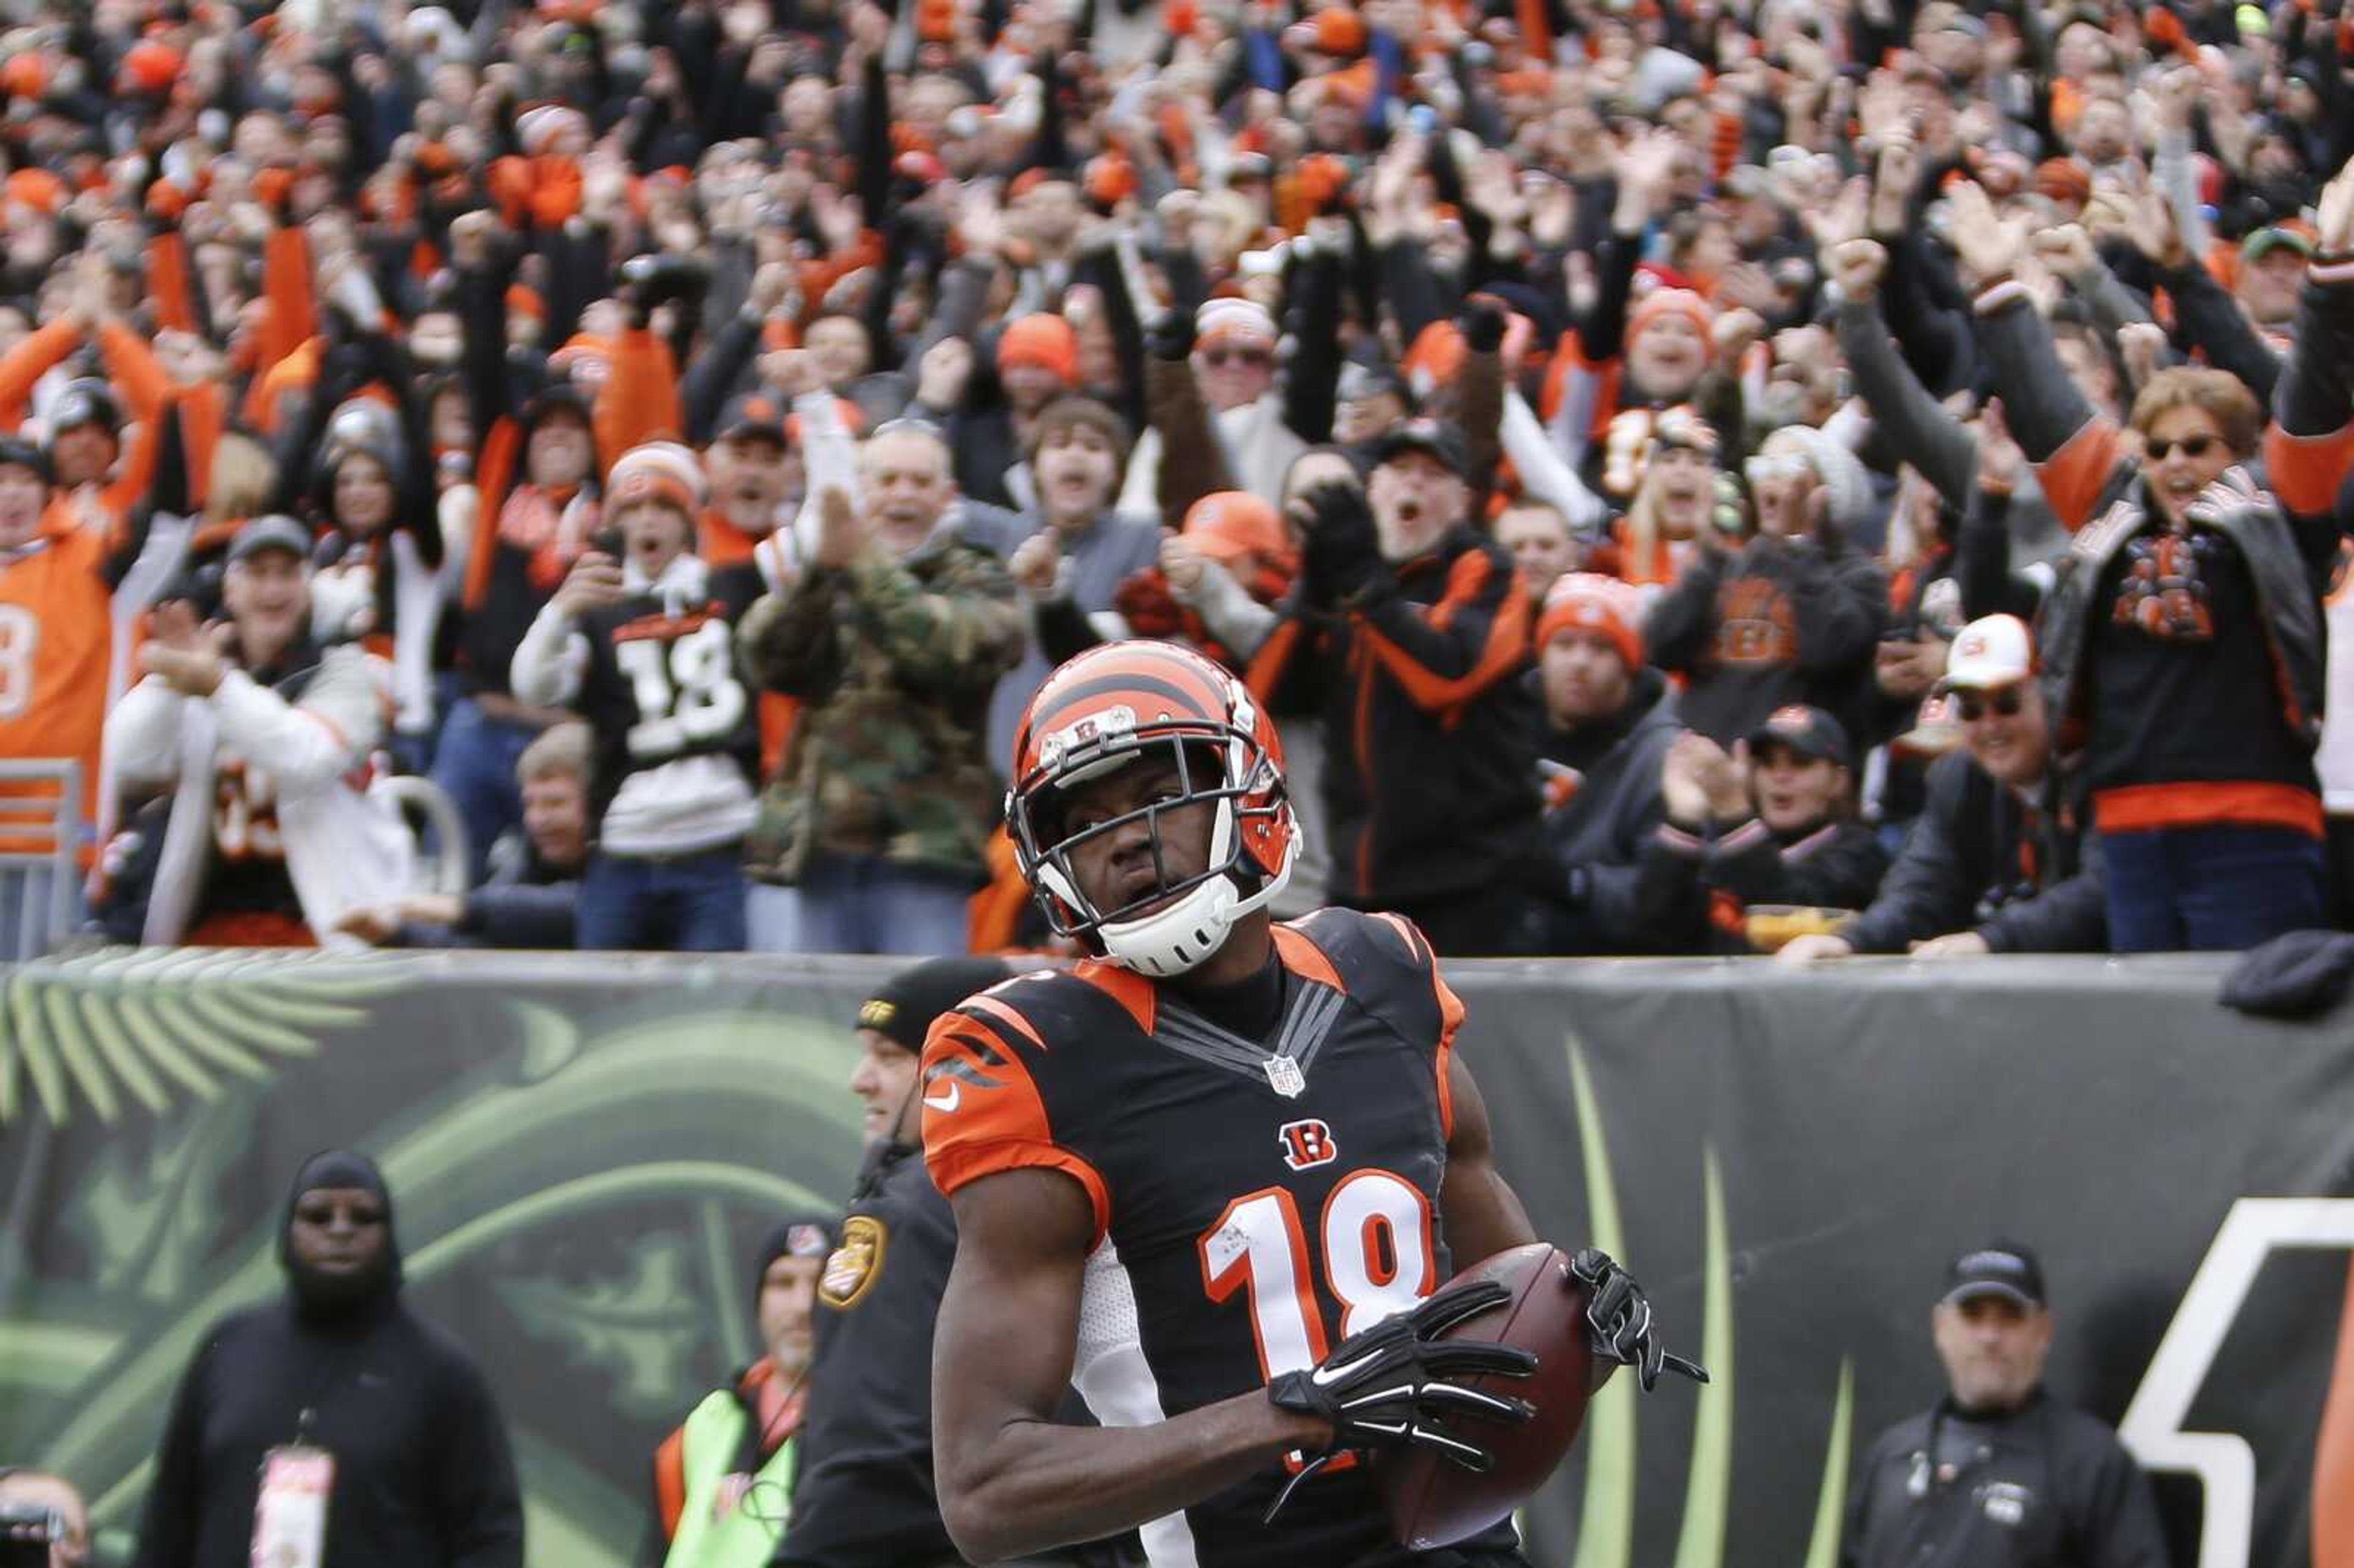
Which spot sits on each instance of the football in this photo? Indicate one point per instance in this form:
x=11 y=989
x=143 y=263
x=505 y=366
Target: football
x=1433 y=1503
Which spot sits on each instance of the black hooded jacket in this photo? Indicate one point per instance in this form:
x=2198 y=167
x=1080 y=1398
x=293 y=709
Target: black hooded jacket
x=422 y=1475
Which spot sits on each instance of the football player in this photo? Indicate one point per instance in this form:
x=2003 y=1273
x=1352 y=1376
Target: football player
x=1213 y=1178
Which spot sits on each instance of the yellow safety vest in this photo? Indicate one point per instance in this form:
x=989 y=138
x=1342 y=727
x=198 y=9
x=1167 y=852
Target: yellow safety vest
x=752 y=1529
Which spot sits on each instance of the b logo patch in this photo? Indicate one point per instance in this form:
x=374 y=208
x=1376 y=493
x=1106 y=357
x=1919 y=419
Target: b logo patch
x=850 y=1272
x=1307 y=1144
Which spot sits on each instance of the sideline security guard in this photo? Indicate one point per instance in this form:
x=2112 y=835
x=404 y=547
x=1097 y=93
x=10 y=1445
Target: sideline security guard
x=1996 y=1474
x=864 y=1496
x=723 y=1481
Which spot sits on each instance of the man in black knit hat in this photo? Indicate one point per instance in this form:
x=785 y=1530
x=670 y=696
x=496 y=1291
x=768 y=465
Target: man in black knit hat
x=724 y=1479
x=863 y=1495
x=334 y=1428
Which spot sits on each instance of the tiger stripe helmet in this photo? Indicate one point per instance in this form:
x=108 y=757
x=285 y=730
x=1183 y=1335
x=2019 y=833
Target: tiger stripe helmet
x=1118 y=703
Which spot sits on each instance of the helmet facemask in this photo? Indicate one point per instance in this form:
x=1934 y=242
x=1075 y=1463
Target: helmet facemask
x=1177 y=923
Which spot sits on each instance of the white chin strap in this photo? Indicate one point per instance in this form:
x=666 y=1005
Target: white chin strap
x=1171 y=941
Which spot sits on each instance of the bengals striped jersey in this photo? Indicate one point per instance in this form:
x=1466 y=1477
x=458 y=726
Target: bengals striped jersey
x=1256 y=1200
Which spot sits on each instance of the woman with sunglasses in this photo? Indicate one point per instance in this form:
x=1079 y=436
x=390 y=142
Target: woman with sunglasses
x=2182 y=643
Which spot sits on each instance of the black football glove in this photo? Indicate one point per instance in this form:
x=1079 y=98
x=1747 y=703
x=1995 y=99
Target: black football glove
x=1618 y=1315
x=1342 y=551
x=1389 y=1386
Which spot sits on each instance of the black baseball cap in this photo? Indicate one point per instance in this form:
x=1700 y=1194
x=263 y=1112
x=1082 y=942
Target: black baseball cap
x=1809 y=731
x=22 y=453
x=557 y=399
x=85 y=401
x=901 y=1007
x=2005 y=1268
x=1442 y=442
x=1359 y=380
x=752 y=416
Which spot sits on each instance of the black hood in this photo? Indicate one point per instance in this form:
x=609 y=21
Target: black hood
x=324 y=1299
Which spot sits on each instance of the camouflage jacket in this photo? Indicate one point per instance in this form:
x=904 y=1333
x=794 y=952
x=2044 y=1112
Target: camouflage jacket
x=893 y=662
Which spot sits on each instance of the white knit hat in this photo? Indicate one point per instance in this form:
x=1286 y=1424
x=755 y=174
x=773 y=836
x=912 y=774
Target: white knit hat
x=1840 y=471
x=662 y=470
x=1231 y=318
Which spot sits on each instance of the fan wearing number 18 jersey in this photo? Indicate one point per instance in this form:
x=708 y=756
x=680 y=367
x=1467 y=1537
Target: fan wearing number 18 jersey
x=1213 y=1178
x=644 y=647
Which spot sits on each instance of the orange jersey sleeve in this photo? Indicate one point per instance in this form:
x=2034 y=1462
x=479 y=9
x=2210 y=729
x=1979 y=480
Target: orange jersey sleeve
x=2073 y=477
x=983 y=1114
x=22 y=368
x=2307 y=470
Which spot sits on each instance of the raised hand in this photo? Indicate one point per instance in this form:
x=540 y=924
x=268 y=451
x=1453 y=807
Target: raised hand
x=2067 y=249
x=943 y=373
x=1844 y=219
x=1182 y=562
x=2151 y=224
x=594 y=582
x=841 y=532
x=2142 y=347
x=1646 y=172
x=1857 y=266
x=1036 y=563
x=2335 y=218
x=1987 y=245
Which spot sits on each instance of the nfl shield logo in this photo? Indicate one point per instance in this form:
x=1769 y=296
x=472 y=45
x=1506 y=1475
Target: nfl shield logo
x=1284 y=1074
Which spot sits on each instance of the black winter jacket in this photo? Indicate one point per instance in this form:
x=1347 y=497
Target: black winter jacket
x=2045 y=1487
x=1601 y=786
x=1429 y=734
x=1977 y=860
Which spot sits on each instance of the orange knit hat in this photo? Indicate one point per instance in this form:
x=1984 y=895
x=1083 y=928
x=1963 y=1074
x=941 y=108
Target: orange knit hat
x=1042 y=340
x=1588 y=602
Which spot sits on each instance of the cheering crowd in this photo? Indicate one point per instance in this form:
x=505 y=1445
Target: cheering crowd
x=1825 y=476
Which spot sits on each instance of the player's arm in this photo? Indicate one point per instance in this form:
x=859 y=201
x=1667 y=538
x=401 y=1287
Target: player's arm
x=1012 y=1480
x=1483 y=1217
x=1482 y=1214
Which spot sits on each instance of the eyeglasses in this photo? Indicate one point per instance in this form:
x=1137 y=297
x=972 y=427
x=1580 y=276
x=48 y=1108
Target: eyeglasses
x=2191 y=447
x=2003 y=703
x=1249 y=358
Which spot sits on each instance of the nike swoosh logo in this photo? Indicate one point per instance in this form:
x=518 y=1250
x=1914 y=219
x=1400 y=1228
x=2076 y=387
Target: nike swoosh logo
x=947 y=1102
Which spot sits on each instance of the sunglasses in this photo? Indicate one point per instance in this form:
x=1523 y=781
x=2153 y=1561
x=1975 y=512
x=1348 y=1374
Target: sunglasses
x=1786 y=466
x=1252 y=358
x=2191 y=447
x=1976 y=705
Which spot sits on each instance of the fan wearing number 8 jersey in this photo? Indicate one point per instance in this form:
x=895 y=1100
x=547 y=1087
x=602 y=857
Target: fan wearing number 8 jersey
x=641 y=642
x=68 y=598
x=1211 y=1177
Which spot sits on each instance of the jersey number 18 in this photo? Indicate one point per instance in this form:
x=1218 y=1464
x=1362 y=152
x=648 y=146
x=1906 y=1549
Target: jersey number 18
x=686 y=690
x=1375 y=1251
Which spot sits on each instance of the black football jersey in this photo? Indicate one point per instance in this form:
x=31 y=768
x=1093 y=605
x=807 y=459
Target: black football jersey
x=1256 y=1200
x=660 y=687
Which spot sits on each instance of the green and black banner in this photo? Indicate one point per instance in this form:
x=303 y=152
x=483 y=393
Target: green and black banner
x=583 y=1152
